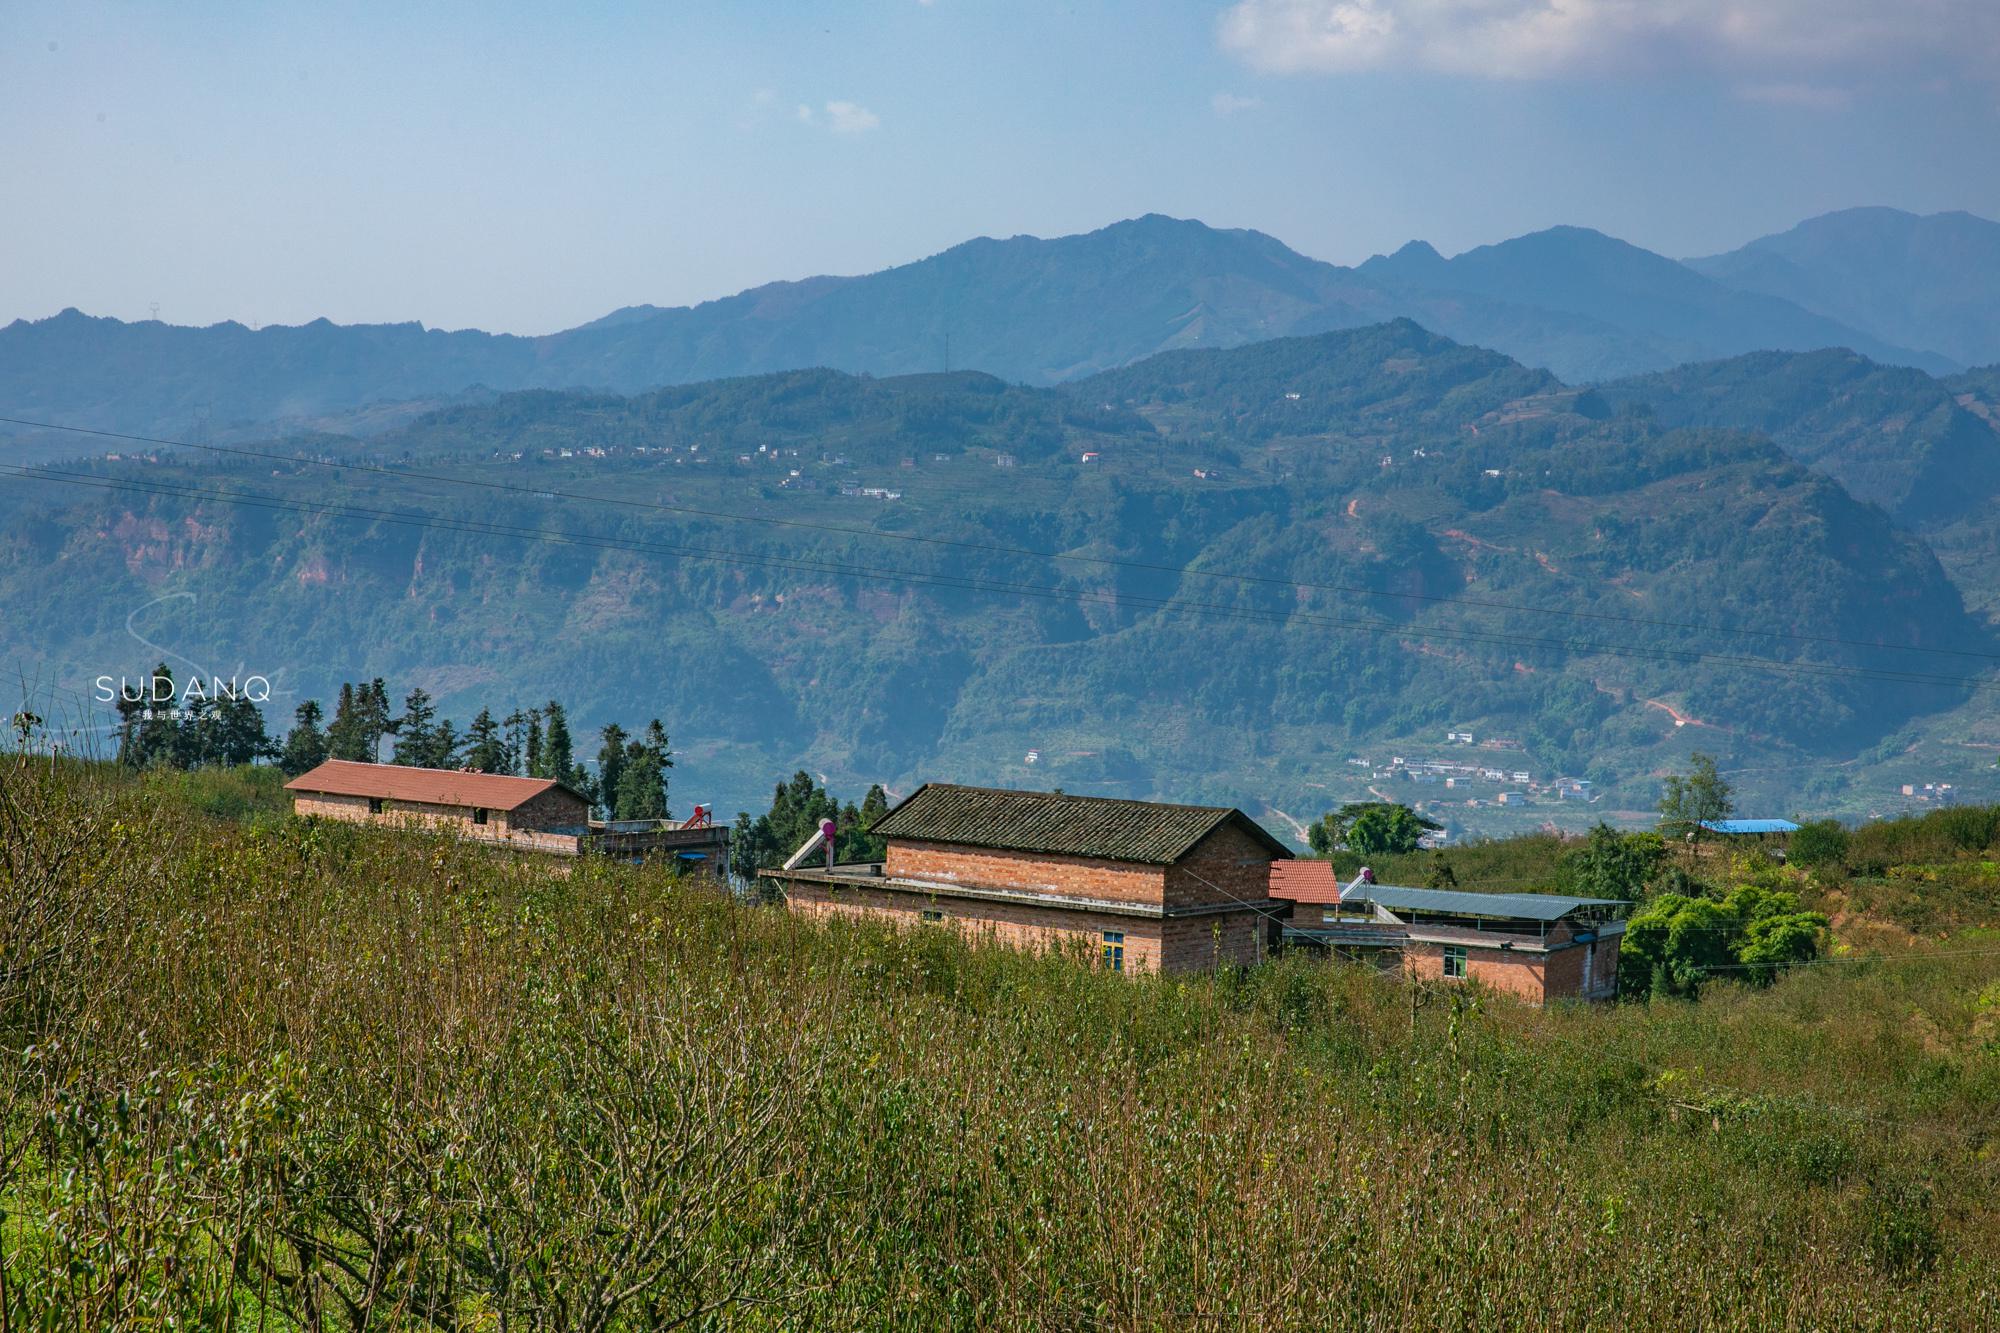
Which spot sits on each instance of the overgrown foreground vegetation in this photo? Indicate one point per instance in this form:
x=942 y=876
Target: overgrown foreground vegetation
x=279 y=1074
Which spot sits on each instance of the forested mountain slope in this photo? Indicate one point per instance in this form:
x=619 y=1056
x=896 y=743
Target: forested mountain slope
x=1235 y=594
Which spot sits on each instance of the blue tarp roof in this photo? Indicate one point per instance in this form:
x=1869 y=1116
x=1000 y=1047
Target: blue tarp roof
x=1454 y=902
x=1749 y=826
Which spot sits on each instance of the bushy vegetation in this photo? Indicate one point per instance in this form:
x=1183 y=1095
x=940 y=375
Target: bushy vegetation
x=295 y=1074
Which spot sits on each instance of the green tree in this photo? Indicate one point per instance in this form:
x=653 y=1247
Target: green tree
x=149 y=726
x=1676 y=941
x=305 y=744
x=557 y=754
x=485 y=749
x=237 y=733
x=1611 y=864
x=347 y=734
x=797 y=807
x=1372 y=828
x=1820 y=843
x=516 y=724
x=416 y=731
x=642 y=778
x=1689 y=801
x=611 y=766
x=1440 y=875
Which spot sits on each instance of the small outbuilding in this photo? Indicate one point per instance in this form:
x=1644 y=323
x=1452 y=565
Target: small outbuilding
x=1538 y=946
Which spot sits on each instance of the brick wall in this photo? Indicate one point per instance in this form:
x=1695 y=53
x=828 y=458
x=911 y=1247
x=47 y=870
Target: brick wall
x=353 y=808
x=1227 y=866
x=1195 y=944
x=456 y=819
x=1013 y=924
x=554 y=808
x=1075 y=876
x=1567 y=977
x=1515 y=973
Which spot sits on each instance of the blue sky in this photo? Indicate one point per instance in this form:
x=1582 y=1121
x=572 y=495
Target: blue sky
x=514 y=167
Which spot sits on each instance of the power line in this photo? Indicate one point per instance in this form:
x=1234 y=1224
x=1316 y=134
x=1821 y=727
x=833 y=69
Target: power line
x=541 y=493
x=1164 y=605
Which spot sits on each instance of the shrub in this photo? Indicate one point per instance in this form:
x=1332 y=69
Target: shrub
x=1822 y=843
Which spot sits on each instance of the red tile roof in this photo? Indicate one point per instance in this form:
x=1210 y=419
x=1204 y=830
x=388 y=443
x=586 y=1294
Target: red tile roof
x=1305 y=881
x=429 y=786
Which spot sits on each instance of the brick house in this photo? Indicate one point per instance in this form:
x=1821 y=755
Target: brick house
x=535 y=814
x=1538 y=946
x=1136 y=885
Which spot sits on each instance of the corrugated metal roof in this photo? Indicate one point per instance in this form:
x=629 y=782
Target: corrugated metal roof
x=1749 y=826
x=1034 y=821
x=431 y=786
x=1314 y=881
x=1455 y=902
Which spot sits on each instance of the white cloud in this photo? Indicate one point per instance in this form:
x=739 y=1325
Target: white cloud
x=848 y=118
x=804 y=113
x=1228 y=104
x=1776 y=40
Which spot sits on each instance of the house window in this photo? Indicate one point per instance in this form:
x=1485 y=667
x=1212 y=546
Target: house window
x=1454 y=961
x=374 y=805
x=1114 y=950
x=932 y=914
x=479 y=816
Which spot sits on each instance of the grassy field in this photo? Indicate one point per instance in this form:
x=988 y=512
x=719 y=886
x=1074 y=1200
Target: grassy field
x=260 y=1073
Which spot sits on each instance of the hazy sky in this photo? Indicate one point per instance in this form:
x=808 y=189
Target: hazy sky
x=527 y=167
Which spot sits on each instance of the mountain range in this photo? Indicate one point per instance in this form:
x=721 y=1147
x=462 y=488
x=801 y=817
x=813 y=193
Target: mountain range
x=1898 y=289
x=1253 y=574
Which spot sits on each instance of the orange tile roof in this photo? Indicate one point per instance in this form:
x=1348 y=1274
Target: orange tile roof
x=1305 y=881
x=429 y=786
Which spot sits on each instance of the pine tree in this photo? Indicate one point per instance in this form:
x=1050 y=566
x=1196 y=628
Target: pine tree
x=531 y=751
x=305 y=745
x=558 y=751
x=237 y=735
x=444 y=746
x=159 y=720
x=485 y=751
x=194 y=727
x=642 y=783
x=347 y=736
x=516 y=723
x=374 y=700
x=416 y=731
x=610 y=767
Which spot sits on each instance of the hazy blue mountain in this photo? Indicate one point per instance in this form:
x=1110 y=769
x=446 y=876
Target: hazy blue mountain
x=1893 y=436
x=1648 y=301
x=1025 y=309
x=1927 y=282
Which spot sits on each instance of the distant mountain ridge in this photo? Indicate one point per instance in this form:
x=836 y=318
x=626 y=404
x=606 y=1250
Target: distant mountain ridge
x=1931 y=282
x=1576 y=302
